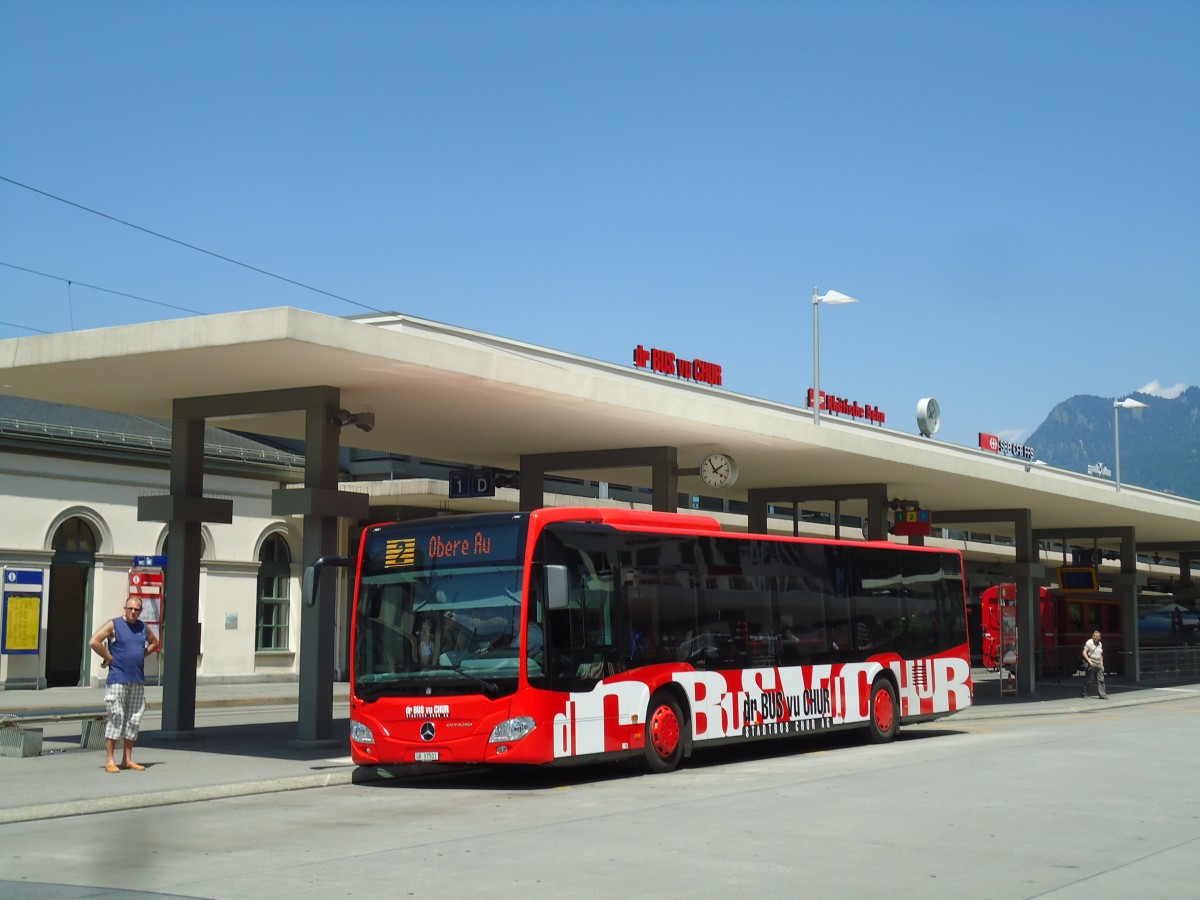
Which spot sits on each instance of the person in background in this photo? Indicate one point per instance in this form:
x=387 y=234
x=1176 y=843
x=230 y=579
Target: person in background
x=123 y=644
x=1093 y=652
x=425 y=643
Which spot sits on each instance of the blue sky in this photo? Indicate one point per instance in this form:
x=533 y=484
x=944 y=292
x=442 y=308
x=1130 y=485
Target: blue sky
x=1010 y=189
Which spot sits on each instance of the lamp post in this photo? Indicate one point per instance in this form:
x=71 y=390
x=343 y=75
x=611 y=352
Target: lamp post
x=1127 y=403
x=833 y=298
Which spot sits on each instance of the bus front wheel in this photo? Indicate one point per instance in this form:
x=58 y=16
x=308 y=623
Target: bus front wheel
x=885 y=712
x=664 y=733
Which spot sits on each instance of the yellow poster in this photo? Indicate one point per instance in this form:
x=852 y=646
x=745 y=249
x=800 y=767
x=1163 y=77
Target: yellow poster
x=22 y=622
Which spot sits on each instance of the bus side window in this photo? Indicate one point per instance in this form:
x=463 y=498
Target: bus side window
x=658 y=616
x=798 y=599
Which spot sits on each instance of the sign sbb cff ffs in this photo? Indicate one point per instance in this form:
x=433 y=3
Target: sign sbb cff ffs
x=843 y=407
x=913 y=523
x=993 y=444
x=667 y=363
x=472 y=483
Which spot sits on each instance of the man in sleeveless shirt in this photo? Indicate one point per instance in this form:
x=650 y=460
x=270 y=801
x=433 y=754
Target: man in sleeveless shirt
x=124 y=644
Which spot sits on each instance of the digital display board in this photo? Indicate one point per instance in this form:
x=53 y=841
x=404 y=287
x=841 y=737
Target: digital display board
x=1078 y=579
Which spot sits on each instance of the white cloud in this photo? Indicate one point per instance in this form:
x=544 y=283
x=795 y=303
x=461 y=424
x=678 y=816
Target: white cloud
x=1154 y=389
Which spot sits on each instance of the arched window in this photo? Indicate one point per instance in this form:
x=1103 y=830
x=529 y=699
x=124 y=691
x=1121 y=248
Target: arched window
x=274 y=602
x=74 y=536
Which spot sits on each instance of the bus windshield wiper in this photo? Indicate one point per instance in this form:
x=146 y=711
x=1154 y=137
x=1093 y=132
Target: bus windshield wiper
x=489 y=687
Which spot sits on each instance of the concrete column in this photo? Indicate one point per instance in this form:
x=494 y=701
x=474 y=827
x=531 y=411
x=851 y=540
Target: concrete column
x=665 y=488
x=1029 y=619
x=877 y=513
x=184 y=510
x=1185 y=591
x=757 y=503
x=1127 y=588
x=531 y=485
x=314 y=726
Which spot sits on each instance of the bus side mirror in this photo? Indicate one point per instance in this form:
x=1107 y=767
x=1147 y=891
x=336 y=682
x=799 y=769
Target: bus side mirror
x=556 y=587
x=312 y=576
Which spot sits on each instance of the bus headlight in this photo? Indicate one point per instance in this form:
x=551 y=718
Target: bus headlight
x=360 y=733
x=512 y=729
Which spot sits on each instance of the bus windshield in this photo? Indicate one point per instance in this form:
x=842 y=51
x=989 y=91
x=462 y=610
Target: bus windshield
x=439 y=612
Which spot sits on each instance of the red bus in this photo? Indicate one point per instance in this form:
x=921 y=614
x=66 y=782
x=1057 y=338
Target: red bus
x=1066 y=621
x=575 y=635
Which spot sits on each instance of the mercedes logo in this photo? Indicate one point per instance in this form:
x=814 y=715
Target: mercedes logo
x=428 y=731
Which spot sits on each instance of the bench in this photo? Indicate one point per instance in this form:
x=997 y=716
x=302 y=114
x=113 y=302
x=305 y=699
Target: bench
x=21 y=732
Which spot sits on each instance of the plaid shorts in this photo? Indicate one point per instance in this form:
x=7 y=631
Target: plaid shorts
x=125 y=703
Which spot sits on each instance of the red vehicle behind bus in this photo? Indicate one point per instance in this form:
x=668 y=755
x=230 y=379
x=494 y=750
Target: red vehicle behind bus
x=574 y=635
x=1066 y=621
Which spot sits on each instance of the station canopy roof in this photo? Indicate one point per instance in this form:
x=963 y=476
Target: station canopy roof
x=446 y=393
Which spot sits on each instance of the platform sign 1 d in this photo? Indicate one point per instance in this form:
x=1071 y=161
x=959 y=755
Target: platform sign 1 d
x=21 y=617
x=472 y=483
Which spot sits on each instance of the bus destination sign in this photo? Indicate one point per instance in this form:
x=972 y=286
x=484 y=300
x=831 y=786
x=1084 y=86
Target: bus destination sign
x=453 y=546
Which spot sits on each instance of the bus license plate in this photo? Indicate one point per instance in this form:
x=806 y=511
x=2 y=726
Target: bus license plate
x=426 y=756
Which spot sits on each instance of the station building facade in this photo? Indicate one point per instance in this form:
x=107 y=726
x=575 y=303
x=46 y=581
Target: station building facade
x=70 y=479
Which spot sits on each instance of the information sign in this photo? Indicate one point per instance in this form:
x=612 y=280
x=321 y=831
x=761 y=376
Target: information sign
x=913 y=523
x=21 y=618
x=147 y=586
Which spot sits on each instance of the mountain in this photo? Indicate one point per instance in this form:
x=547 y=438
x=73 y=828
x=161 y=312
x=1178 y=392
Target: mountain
x=1160 y=445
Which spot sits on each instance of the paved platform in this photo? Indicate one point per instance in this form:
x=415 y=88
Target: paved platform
x=245 y=745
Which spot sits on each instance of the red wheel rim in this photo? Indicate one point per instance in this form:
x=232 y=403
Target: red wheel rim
x=664 y=731
x=884 y=709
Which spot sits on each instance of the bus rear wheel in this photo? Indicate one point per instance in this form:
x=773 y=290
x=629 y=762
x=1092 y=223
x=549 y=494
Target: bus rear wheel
x=664 y=733
x=884 y=719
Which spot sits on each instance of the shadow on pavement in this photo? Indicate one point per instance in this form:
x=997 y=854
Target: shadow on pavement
x=265 y=740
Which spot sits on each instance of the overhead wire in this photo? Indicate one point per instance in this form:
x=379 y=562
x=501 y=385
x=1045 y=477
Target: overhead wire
x=24 y=327
x=165 y=237
x=94 y=287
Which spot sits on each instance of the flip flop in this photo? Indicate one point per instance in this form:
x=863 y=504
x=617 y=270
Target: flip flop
x=136 y=767
x=112 y=767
